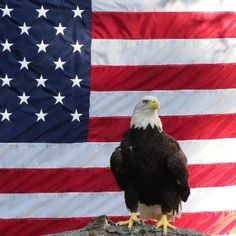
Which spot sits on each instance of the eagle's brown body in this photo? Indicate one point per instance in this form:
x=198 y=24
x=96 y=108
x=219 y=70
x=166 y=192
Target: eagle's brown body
x=151 y=169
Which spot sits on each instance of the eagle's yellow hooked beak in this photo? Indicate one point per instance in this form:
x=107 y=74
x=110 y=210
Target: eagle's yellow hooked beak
x=155 y=105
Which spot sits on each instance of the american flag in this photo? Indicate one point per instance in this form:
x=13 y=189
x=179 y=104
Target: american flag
x=70 y=74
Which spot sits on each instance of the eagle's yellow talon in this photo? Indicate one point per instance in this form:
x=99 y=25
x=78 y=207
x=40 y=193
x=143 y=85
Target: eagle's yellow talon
x=132 y=220
x=165 y=224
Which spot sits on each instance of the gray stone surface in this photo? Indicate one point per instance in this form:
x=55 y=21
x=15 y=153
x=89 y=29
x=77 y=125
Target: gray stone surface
x=102 y=226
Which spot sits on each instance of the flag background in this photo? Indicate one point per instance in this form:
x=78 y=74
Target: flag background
x=55 y=173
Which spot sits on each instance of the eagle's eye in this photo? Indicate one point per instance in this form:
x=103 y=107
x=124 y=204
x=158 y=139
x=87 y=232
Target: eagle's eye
x=145 y=101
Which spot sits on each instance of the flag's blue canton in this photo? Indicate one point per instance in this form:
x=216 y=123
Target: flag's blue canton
x=44 y=100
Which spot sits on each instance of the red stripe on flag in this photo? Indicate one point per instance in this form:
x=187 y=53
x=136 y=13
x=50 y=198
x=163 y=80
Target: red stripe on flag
x=209 y=222
x=50 y=180
x=111 y=129
x=163 y=25
x=41 y=226
x=167 y=77
x=212 y=175
x=100 y=179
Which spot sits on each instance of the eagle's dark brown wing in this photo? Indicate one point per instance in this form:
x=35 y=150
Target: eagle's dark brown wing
x=117 y=168
x=177 y=165
x=124 y=178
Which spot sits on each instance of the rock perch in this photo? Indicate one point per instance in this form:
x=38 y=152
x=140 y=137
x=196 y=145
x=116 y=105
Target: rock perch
x=102 y=226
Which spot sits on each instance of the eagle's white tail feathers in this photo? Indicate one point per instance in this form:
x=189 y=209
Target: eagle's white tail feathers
x=154 y=212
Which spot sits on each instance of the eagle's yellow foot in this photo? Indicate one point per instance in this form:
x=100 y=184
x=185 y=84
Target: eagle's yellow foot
x=132 y=220
x=165 y=224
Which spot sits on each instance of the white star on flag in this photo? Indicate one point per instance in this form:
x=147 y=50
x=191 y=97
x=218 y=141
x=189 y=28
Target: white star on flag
x=42 y=46
x=6 y=11
x=59 y=63
x=24 y=29
x=76 y=81
x=24 y=98
x=78 y=12
x=6 y=46
x=77 y=46
x=59 y=98
x=6 y=81
x=42 y=12
x=41 y=115
x=41 y=81
x=60 y=29
x=5 y=115
x=76 y=116
x=24 y=64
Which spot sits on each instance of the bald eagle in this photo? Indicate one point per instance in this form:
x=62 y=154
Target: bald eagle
x=150 y=167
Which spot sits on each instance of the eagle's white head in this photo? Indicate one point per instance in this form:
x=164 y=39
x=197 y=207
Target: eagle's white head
x=146 y=113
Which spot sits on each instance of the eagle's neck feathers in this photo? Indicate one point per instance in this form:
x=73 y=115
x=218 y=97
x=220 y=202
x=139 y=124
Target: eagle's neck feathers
x=141 y=119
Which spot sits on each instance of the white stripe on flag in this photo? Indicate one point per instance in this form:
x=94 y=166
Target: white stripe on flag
x=98 y=154
x=54 y=155
x=108 y=203
x=92 y=155
x=173 y=102
x=163 y=51
x=164 y=6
